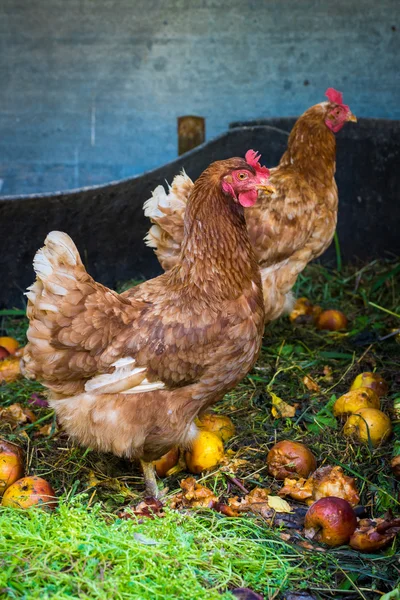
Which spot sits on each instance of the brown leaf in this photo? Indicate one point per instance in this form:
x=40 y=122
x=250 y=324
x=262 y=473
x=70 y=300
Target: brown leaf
x=9 y=369
x=311 y=384
x=46 y=431
x=328 y=374
x=16 y=415
x=149 y=508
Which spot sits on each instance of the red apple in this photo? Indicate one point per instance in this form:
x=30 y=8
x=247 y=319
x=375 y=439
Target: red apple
x=290 y=459
x=30 y=491
x=11 y=464
x=331 y=521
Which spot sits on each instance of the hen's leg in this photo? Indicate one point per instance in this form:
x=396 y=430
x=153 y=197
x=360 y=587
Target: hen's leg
x=150 y=480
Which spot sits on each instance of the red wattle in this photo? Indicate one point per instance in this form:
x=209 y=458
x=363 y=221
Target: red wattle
x=249 y=198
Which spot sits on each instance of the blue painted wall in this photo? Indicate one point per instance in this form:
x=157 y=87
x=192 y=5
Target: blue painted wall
x=90 y=89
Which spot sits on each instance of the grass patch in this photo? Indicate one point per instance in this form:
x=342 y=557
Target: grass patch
x=83 y=550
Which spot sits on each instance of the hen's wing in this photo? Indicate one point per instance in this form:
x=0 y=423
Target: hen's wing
x=83 y=336
x=166 y=211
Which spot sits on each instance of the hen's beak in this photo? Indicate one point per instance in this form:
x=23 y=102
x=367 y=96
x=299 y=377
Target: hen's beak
x=267 y=189
x=351 y=117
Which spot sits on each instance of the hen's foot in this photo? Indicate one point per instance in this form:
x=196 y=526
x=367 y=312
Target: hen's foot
x=151 y=490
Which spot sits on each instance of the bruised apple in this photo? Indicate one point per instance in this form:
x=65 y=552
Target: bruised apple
x=11 y=464
x=369 y=424
x=10 y=344
x=166 y=462
x=290 y=459
x=371 y=380
x=331 y=521
x=332 y=320
x=356 y=399
x=373 y=535
x=30 y=491
x=206 y=452
x=221 y=425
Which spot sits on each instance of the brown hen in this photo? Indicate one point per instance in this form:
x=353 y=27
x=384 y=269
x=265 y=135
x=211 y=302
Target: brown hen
x=128 y=373
x=287 y=230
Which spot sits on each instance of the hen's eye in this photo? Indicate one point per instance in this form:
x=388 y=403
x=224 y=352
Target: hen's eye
x=242 y=176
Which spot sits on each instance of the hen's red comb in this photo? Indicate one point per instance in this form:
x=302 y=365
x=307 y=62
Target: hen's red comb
x=334 y=96
x=253 y=159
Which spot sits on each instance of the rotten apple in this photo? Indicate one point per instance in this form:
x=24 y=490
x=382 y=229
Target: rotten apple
x=166 y=462
x=332 y=320
x=11 y=464
x=221 y=425
x=290 y=459
x=30 y=491
x=371 y=380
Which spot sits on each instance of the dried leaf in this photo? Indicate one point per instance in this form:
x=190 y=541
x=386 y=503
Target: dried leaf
x=328 y=374
x=279 y=504
x=280 y=408
x=16 y=415
x=311 y=384
x=9 y=369
x=148 y=508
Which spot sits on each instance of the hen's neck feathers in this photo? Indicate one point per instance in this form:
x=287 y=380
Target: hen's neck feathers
x=216 y=254
x=312 y=146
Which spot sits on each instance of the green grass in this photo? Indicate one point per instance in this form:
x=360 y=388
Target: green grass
x=84 y=550
x=83 y=553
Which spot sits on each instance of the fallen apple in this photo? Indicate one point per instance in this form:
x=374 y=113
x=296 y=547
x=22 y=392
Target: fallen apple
x=332 y=320
x=371 y=380
x=30 y=491
x=331 y=521
x=356 y=399
x=371 y=536
x=9 y=343
x=10 y=369
x=11 y=464
x=369 y=424
x=324 y=482
x=166 y=462
x=221 y=425
x=290 y=459
x=3 y=352
x=206 y=452
x=304 y=312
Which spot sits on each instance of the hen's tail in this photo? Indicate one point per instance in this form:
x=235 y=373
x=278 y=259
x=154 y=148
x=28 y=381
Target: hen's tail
x=167 y=211
x=56 y=303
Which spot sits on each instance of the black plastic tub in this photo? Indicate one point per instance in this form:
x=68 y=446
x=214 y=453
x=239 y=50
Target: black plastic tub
x=108 y=225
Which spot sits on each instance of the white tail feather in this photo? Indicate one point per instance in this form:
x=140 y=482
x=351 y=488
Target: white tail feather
x=175 y=199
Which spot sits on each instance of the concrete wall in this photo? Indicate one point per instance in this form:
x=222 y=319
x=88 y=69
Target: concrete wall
x=90 y=89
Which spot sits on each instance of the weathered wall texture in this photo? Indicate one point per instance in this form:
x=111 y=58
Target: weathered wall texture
x=90 y=89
